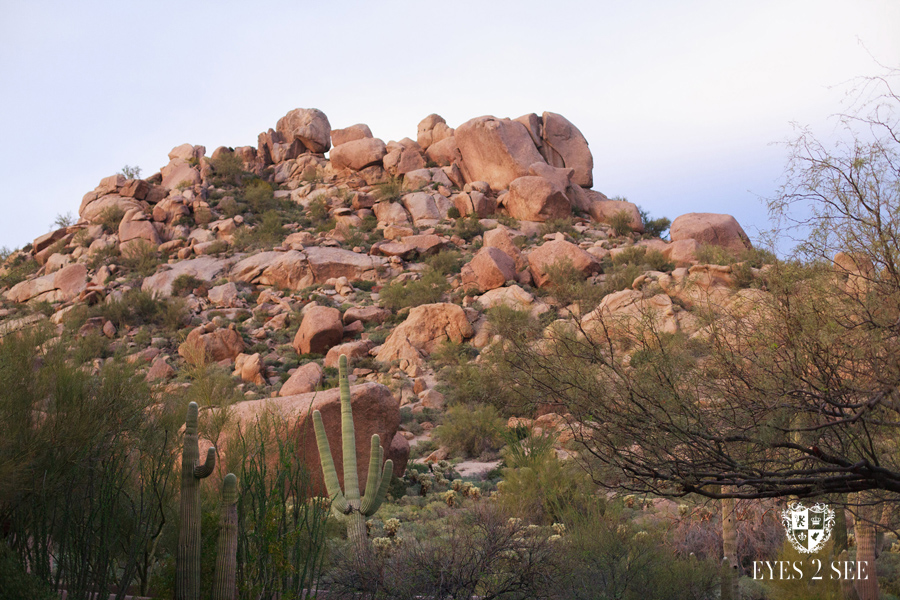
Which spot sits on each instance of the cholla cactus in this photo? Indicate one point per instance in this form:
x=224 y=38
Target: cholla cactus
x=629 y=501
x=369 y=527
x=457 y=485
x=349 y=502
x=559 y=529
x=683 y=509
x=514 y=522
x=473 y=492
x=440 y=480
x=382 y=544
x=425 y=483
x=450 y=498
x=391 y=527
x=555 y=537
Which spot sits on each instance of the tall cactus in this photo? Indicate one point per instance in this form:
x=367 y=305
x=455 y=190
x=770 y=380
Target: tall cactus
x=187 y=561
x=226 y=551
x=730 y=566
x=349 y=502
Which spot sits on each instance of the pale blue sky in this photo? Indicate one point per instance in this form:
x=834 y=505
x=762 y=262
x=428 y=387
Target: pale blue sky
x=680 y=101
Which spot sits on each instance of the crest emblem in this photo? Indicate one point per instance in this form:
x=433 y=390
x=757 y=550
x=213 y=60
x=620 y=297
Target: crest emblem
x=807 y=528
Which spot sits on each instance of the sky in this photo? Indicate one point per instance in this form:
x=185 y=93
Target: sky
x=683 y=103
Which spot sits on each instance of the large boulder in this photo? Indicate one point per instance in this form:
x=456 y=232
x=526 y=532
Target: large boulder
x=425 y=328
x=320 y=329
x=375 y=411
x=358 y=154
x=422 y=207
x=61 y=286
x=348 y=134
x=604 y=210
x=305 y=379
x=495 y=150
x=355 y=349
x=179 y=172
x=296 y=270
x=559 y=251
x=217 y=345
x=565 y=146
x=444 y=152
x=533 y=198
x=308 y=125
x=489 y=269
x=432 y=129
x=204 y=268
x=710 y=228
x=94 y=208
x=500 y=238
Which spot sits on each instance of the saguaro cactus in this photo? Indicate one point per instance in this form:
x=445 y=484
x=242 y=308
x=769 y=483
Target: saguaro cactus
x=729 y=546
x=349 y=502
x=187 y=560
x=226 y=550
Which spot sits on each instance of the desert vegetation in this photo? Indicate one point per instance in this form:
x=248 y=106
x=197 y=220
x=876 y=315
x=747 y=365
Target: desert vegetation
x=271 y=374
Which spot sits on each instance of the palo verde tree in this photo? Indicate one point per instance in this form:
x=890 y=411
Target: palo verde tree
x=792 y=387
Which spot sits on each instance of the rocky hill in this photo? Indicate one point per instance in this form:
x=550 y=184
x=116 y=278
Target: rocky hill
x=273 y=260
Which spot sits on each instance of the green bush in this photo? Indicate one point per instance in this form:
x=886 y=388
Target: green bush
x=470 y=431
x=259 y=196
x=18 y=269
x=537 y=486
x=564 y=226
x=110 y=217
x=185 y=284
x=228 y=168
x=141 y=256
x=427 y=290
x=17 y=582
x=621 y=222
x=445 y=262
x=653 y=228
x=130 y=172
x=390 y=190
x=468 y=228
x=453 y=213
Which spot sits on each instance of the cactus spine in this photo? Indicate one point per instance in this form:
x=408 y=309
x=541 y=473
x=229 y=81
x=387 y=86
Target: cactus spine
x=187 y=575
x=349 y=502
x=226 y=550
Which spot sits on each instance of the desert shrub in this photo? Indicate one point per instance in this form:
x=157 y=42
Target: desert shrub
x=86 y=485
x=110 y=217
x=259 y=196
x=427 y=290
x=537 y=486
x=508 y=221
x=470 y=431
x=134 y=309
x=17 y=582
x=390 y=190
x=568 y=285
x=281 y=527
x=185 y=284
x=130 y=172
x=469 y=553
x=228 y=168
x=607 y=556
x=141 y=256
x=17 y=269
x=653 y=227
x=268 y=232
x=63 y=220
x=464 y=381
x=468 y=227
x=717 y=255
x=564 y=226
x=445 y=262
x=621 y=222
x=453 y=213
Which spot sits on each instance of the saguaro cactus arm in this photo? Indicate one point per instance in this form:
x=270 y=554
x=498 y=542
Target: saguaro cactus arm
x=205 y=470
x=376 y=486
x=348 y=433
x=338 y=502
